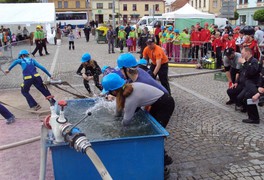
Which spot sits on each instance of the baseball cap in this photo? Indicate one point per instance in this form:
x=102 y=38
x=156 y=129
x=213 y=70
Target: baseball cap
x=150 y=40
x=229 y=51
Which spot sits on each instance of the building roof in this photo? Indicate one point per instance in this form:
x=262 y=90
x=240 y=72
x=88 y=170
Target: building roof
x=178 y=4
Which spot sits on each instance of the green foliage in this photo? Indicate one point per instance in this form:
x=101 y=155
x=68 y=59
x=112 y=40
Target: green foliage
x=259 y=15
x=236 y=16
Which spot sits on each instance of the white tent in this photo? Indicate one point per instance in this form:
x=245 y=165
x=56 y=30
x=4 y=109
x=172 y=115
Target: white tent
x=187 y=11
x=27 y=13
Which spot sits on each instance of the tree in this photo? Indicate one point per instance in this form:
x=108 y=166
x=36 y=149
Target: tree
x=259 y=15
x=236 y=16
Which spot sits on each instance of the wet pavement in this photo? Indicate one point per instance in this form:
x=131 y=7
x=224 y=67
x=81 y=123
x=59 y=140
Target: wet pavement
x=207 y=138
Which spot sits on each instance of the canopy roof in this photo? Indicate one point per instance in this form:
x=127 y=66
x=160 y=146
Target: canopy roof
x=27 y=13
x=187 y=11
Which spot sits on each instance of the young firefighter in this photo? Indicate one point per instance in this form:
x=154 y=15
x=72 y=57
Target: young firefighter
x=122 y=38
x=92 y=71
x=31 y=77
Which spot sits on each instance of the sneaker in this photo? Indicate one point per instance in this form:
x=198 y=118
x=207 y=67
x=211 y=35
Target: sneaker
x=47 y=53
x=167 y=160
x=37 y=107
x=250 y=121
x=113 y=52
x=230 y=102
x=11 y=120
x=33 y=54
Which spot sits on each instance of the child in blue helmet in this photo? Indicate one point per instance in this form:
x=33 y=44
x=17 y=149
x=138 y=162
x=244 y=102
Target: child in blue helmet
x=176 y=45
x=31 y=77
x=91 y=71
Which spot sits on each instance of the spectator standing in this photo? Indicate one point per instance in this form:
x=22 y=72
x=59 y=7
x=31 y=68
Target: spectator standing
x=142 y=40
x=110 y=36
x=129 y=43
x=133 y=36
x=19 y=33
x=127 y=30
x=218 y=50
x=44 y=40
x=176 y=45
x=37 y=37
x=87 y=30
x=205 y=38
x=196 y=42
x=25 y=33
x=156 y=33
x=71 y=40
x=186 y=44
x=259 y=35
x=122 y=38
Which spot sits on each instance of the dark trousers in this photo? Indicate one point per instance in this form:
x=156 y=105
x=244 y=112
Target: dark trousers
x=157 y=40
x=96 y=82
x=141 y=50
x=162 y=109
x=44 y=45
x=252 y=109
x=163 y=75
x=233 y=93
x=38 y=48
x=5 y=112
x=38 y=83
x=87 y=36
x=195 y=50
x=121 y=44
x=218 y=57
x=71 y=45
x=204 y=49
x=111 y=45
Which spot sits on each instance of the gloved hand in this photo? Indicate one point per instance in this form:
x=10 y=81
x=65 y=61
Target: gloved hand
x=230 y=84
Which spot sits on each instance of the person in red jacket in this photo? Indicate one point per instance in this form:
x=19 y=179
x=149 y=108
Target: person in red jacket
x=196 y=42
x=232 y=42
x=218 y=50
x=225 y=42
x=253 y=45
x=205 y=38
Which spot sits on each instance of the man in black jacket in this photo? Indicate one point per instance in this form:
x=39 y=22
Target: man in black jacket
x=142 y=42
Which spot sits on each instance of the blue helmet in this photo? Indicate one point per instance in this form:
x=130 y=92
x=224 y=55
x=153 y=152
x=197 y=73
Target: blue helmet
x=132 y=28
x=176 y=30
x=164 y=34
x=143 y=62
x=104 y=68
x=121 y=27
x=171 y=36
x=170 y=28
x=86 y=57
x=162 y=27
x=23 y=52
x=126 y=60
x=112 y=82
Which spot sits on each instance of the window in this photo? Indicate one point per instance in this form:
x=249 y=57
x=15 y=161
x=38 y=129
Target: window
x=204 y=4
x=214 y=3
x=259 y=1
x=77 y=4
x=134 y=7
x=65 y=4
x=243 y=19
x=200 y=3
x=59 y=4
x=99 y=6
x=196 y=4
x=246 y=2
x=110 y=5
x=192 y=3
x=124 y=7
x=240 y=1
x=156 y=7
x=146 y=7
